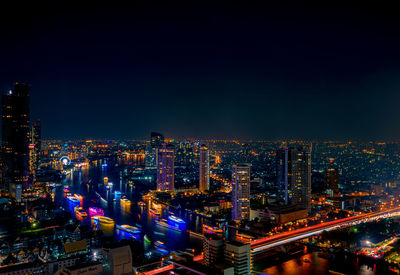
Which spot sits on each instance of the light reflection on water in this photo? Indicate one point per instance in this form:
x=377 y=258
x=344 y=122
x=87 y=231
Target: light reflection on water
x=89 y=180
x=312 y=264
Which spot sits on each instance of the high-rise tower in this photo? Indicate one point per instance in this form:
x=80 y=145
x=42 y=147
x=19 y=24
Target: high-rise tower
x=299 y=172
x=331 y=180
x=241 y=191
x=165 y=168
x=204 y=169
x=15 y=138
x=282 y=183
x=34 y=148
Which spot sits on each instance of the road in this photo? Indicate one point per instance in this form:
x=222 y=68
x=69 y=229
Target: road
x=264 y=244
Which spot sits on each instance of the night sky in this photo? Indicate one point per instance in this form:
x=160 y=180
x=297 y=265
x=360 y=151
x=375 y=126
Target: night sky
x=202 y=70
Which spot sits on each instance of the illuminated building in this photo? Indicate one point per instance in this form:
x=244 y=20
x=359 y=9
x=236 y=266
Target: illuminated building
x=34 y=148
x=238 y=255
x=165 y=168
x=204 y=169
x=331 y=181
x=241 y=191
x=15 y=138
x=213 y=249
x=156 y=140
x=299 y=171
x=281 y=173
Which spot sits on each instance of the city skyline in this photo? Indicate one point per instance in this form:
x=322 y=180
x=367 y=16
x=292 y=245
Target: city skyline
x=261 y=70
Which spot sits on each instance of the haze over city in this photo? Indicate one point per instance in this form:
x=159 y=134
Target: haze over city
x=190 y=69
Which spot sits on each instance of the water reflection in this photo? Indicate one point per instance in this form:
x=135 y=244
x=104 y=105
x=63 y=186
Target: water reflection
x=91 y=182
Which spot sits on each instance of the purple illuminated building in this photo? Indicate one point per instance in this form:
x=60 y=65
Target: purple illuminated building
x=241 y=191
x=165 y=168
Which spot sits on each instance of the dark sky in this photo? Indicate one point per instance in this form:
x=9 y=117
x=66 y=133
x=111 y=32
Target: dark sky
x=201 y=70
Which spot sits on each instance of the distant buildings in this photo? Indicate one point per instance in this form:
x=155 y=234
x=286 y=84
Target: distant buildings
x=165 y=168
x=204 y=169
x=15 y=139
x=241 y=192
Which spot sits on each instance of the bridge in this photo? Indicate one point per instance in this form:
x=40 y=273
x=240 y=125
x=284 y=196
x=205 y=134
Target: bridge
x=261 y=245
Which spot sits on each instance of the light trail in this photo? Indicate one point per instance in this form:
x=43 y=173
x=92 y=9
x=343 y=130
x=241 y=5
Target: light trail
x=287 y=237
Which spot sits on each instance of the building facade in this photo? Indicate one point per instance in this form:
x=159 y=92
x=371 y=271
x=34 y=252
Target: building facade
x=281 y=173
x=204 y=180
x=299 y=172
x=165 y=168
x=238 y=255
x=15 y=138
x=241 y=192
x=331 y=181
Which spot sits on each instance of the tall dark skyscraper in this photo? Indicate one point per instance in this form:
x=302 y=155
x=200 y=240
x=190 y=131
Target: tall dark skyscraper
x=293 y=176
x=34 y=149
x=204 y=182
x=165 y=168
x=331 y=180
x=241 y=191
x=282 y=181
x=15 y=138
x=299 y=173
x=156 y=140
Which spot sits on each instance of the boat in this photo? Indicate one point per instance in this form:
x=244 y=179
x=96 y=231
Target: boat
x=164 y=223
x=212 y=229
x=125 y=201
x=160 y=244
x=154 y=212
x=176 y=219
x=95 y=211
x=129 y=229
x=80 y=212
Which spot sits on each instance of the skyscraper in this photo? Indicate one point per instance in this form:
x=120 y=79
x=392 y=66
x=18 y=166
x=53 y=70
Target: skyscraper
x=282 y=173
x=34 y=148
x=213 y=249
x=15 y=138
x=204 y=169
x=238 y=255
x=299 y=173
x=241 y=191
x=165 y=168
x=331 y=180
x=156 y=140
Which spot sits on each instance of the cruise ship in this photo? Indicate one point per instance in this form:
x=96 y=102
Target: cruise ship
x=176 y=219
x=154 y=212
x=129 y=229
x=80 y=212
x=95 y=211
x=125 y=201
x=164 y=223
